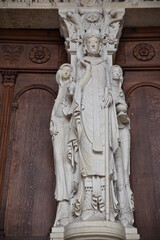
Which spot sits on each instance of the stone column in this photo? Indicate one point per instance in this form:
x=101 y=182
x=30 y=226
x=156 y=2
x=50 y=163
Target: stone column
x=91 y=20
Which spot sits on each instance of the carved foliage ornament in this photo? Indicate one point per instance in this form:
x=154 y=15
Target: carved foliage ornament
x=92 y=17
x=12 y=53
x=144 y=52
x=93 y=22
x=39 y=54
x=105 y=22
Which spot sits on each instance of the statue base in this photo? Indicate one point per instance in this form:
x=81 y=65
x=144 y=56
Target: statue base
x=94 y=230
x=57 y=233
x=131 y=233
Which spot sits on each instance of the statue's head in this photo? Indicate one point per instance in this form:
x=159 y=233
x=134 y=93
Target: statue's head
x=117 y=73
x=66 y=70
x=64 y=73
x=92 y=44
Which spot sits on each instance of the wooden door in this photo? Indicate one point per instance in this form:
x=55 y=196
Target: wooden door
x=27 y=93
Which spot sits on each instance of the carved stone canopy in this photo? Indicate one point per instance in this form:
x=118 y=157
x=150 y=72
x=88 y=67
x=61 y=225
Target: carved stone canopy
x=76 y=23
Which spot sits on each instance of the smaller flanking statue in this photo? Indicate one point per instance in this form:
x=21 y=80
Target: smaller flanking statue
x=60 y=130
x=90 y=131
x=122 y=154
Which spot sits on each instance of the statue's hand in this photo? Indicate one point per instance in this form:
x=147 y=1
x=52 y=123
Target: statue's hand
x=108 y=100
x=87 y=65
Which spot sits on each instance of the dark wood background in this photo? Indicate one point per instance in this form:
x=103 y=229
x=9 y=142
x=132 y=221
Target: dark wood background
x=29 y=60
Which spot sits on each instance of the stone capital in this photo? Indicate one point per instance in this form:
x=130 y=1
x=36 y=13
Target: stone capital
x=76 y=22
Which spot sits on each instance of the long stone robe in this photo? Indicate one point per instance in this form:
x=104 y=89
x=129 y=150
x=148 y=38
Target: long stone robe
x=93 y=122
x=63 y=168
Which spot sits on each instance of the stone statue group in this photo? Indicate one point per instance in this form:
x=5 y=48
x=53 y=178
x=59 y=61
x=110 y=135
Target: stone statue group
x=90 y=132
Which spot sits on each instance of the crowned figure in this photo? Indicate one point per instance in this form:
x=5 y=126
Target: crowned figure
x=93 y=99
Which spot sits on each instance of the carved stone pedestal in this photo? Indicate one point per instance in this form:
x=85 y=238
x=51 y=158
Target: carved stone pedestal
x=57 y=233
x=95 y=230
x=132 y=234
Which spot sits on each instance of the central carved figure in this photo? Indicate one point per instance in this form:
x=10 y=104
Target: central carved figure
x=96 y=99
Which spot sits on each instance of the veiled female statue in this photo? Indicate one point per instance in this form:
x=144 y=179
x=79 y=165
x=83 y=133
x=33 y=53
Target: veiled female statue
x=60 y=130
x=122 y=154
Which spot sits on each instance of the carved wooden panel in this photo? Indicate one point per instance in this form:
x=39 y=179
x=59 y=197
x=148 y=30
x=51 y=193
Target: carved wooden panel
x=29 y=55
x=30 y=199
x=142 y=54
x=31 y=49
x=144 y=112
x=139 y=48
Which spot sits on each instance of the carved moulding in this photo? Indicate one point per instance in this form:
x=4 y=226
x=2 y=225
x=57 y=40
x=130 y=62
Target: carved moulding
x=39 y=54
x=30 y=87
x=144 y=52
x=96 y=230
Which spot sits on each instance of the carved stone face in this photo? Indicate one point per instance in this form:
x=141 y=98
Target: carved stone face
x=66 y=72
x=116 y=73
x=93 y=45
